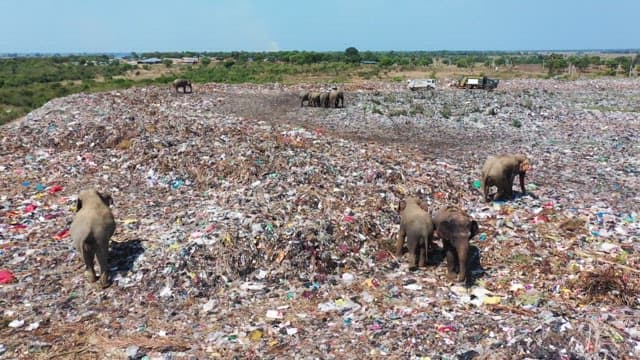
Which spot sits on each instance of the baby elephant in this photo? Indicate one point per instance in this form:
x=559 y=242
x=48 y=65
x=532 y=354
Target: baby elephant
x=501 y=171
x=91 y=230
x=182 y=83
x=455 y=228
x=416 y=226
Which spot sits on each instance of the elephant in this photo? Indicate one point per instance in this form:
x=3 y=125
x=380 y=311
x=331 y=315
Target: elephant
x=182 y=83
x=336 y=98
x=455 y=227
x=305 y=96
x=416 y=226
x=324 y=99
x=91 y=230
x=314 y=98
x=500 y=171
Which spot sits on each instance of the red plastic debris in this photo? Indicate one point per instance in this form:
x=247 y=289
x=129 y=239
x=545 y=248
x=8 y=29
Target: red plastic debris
x=382 y=255
x=54 y=189
x=17 y=226
x=540 y=219
x=29 y=208
x=62 y=234
x=446 y=328
x=7 y=277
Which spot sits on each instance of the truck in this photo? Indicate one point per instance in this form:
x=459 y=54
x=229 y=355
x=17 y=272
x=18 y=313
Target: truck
x=419 y=84
x=477 y=82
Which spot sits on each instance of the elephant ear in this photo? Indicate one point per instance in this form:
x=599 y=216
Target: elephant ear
x=446 y=229
x=423 y=205
x=402 y=205
x=106 y=199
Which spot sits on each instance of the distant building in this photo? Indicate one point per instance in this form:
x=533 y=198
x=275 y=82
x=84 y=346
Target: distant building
x=368 y=62
x=153 y=60
x=189 y=60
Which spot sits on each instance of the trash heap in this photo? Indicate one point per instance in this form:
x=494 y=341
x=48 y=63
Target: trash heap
x=248 y=226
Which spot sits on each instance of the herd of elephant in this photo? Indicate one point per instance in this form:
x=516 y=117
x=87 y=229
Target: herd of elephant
x=326 y=99
x=452 y=224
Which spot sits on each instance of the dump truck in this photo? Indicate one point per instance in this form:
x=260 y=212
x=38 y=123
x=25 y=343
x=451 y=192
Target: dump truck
x=419 y=84
x=477 y=82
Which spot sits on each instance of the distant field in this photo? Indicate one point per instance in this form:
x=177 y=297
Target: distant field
x=28 y=83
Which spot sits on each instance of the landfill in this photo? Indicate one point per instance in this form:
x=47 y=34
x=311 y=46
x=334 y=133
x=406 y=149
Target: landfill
x=251 y=227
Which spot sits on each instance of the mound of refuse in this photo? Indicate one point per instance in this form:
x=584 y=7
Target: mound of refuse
x=250 y=226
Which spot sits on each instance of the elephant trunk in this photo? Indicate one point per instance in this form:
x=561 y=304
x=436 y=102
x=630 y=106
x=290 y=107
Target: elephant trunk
x=462 y=248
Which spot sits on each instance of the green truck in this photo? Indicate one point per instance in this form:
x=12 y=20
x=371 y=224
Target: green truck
x=477 y=82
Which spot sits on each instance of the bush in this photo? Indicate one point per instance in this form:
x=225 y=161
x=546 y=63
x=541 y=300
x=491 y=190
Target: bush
x=398 y=112
x=445 y=112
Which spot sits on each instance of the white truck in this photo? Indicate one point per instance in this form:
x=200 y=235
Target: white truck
x=419 y=84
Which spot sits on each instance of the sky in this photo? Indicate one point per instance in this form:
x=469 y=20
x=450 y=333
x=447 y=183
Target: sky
x=62 y=26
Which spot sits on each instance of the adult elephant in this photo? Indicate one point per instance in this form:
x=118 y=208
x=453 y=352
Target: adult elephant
x=314 y=98
x=336 y=98
x=305 y=96
x=324 y=99
x=182 y=83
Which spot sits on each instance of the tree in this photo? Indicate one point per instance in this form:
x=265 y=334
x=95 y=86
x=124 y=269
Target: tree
x=425 y=61
x=386 y=60
x=167 y=62
x=582 y=63
x=464 y=62
x=352 y=55
x=556 y=63
x=205 y=61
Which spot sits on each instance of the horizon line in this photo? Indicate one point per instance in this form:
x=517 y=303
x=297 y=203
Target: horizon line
x=53 y=53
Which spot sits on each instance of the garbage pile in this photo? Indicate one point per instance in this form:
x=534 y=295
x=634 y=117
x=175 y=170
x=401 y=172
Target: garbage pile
x=248 y=226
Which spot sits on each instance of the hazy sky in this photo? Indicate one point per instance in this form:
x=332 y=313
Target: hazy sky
x=263 y=25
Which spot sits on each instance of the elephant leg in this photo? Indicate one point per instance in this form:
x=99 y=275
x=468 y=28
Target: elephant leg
x=463 y=253
x=521 y=178
x=503 y=190
x=88 y=254
x=413 y=250
x=400 y=241
x=423 y=254
x=452 y=259
x=508 y=189
x=102 y=254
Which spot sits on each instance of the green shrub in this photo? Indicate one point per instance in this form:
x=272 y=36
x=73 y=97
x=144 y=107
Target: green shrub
x=445 y=112
x=398 y=112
